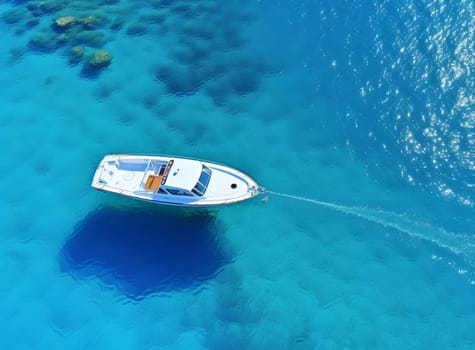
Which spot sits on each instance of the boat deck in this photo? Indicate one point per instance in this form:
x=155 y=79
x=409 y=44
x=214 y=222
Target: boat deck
x=123 y=179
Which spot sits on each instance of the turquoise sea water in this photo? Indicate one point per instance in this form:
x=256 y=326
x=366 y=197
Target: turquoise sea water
x=362 y=115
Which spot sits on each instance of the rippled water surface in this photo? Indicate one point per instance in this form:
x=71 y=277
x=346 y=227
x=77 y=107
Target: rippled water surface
x=358 y=117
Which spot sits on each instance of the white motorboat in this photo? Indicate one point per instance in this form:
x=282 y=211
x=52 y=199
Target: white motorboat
x=173 y=180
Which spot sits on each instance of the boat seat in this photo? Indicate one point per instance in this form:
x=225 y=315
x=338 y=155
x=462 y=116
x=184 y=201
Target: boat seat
x=153 y=182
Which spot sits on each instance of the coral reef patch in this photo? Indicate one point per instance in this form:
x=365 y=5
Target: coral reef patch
x=76 y=54
x=100 y=59
x=78 y=26
x=96 y=62
x=208 y=54
x=65 y=22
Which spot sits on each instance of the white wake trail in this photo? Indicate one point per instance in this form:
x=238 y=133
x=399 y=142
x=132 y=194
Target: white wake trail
x=460 y=244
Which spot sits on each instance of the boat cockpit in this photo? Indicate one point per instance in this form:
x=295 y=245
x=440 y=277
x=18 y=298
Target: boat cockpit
x=155 y=177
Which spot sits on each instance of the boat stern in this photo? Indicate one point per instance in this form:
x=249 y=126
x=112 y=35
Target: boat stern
x=98 y=181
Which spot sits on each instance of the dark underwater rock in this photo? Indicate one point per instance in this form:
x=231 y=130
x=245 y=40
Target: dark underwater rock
x=244 y=81
x=137 y=29
x=20 y=19
x=149 y=101
x=20 y=30
x=66 y=23
x=199 y=29
x=191 y=52
x=178 y=80
x=39 y=8
x=45 y=41
x=162 y=3
x=208 y=7
x=218 y=91
x=16 y=53
x=63 y=23
x=99 y=60
x=96 y=63
x=32 y=22
x=14 y=15
x=105 y=89
x=153 y=17
x=231 y=38
x=89 y=38
x=90 y=22
x=117 y=24
x=215 y=69
x=75 y=55
x=180 y=8
x=93 y=21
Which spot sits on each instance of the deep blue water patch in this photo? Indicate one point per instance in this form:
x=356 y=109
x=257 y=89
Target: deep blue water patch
x=145 y=252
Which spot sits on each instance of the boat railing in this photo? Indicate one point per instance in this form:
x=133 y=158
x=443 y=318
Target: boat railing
x=172 y=156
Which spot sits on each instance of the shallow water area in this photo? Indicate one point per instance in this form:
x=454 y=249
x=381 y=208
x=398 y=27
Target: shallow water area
x=344 y=111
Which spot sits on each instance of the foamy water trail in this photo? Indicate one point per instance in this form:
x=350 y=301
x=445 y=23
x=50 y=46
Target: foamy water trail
x=460 y=244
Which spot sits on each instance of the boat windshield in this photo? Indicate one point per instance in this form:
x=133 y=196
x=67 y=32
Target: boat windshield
x=203 y=181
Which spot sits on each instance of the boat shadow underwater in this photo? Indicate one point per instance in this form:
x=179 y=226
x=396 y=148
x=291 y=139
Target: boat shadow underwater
x=146 y=251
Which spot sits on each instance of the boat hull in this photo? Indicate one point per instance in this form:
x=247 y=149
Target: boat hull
x=125 y=174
